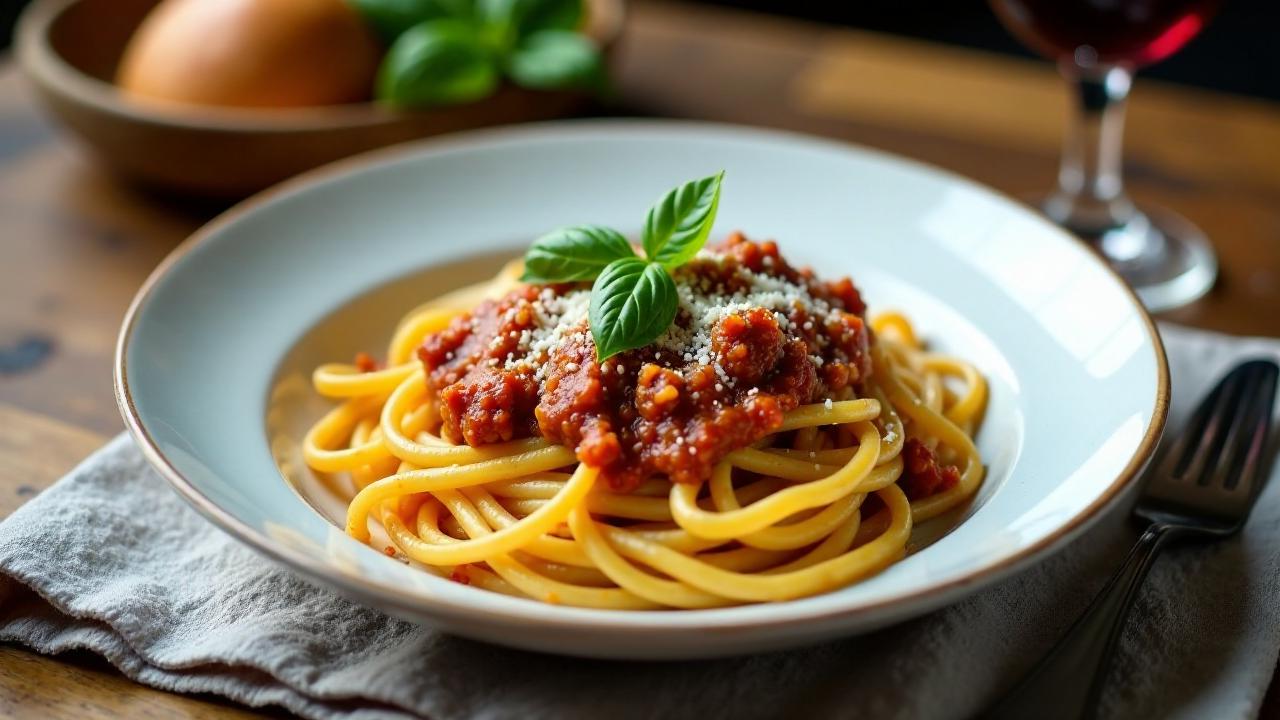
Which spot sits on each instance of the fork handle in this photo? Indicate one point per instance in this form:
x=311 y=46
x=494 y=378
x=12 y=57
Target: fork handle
x=1055 y=688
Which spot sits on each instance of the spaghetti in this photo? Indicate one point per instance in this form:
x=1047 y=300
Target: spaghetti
x=767 y=447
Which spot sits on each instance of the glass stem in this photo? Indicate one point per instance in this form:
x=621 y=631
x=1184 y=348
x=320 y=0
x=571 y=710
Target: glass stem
x=1090 y=198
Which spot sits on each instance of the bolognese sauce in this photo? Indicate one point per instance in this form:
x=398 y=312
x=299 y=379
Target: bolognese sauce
x=753 y=337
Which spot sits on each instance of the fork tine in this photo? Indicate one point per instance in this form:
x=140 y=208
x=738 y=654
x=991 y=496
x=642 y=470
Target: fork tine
x=1231 y=418
x=1207 y=428
x=1254 y=463
x=1240 y=461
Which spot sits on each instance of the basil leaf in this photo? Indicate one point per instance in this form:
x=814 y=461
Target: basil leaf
x=538 y=15
x=574 y=253
x=632 y=303
x=392 y=17
x=521 y=18
x=556 y=59
x=438 y=62
x=677 y=226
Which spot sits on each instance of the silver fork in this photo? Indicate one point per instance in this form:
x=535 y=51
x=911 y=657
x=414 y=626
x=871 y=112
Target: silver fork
x=1203 y=487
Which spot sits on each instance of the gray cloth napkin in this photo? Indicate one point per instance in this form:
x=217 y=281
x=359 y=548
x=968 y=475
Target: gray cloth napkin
x=175 y=603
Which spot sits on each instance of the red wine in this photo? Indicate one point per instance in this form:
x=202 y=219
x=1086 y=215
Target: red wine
x=1132 y=32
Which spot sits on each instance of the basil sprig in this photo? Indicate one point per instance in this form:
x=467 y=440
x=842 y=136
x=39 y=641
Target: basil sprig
x=633 y=299
x=444 y=52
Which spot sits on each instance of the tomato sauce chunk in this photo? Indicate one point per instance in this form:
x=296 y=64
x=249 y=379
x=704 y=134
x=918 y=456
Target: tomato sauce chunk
x=922 y=475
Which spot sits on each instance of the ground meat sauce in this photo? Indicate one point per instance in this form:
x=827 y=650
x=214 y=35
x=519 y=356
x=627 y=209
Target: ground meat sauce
x=922 y=475
x=753 y=338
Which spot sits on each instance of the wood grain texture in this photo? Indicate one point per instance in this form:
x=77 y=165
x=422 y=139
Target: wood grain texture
x=75 y=242
x=34 y=452
x=1021 y=105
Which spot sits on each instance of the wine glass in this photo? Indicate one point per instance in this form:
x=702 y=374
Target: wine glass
x=1098 y=45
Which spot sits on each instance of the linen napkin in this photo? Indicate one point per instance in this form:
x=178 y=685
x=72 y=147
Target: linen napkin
x=177 y=604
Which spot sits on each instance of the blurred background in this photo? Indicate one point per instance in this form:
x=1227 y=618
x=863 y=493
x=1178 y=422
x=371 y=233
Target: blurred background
x=1236 y=52
x=98 y=183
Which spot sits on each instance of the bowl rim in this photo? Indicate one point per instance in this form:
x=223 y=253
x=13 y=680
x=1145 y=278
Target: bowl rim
x=42 y=62
x=396 y=599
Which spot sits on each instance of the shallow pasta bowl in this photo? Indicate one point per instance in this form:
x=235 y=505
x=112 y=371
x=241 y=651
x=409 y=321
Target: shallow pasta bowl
x=216 y=350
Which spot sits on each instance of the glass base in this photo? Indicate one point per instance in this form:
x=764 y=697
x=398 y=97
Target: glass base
x=1166 y=260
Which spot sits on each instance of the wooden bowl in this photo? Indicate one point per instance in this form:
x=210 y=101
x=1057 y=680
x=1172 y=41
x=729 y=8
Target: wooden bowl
x=70 y=50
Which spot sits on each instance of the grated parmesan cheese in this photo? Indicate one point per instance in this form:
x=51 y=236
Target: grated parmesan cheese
x=702 y=306
x=558 y=319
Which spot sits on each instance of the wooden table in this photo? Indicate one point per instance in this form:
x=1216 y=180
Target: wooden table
x=75 y=244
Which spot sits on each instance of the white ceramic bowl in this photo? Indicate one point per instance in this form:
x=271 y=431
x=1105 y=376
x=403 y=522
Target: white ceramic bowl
x=214 y=354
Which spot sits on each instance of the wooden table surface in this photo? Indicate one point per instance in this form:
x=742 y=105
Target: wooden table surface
x=75 y=243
